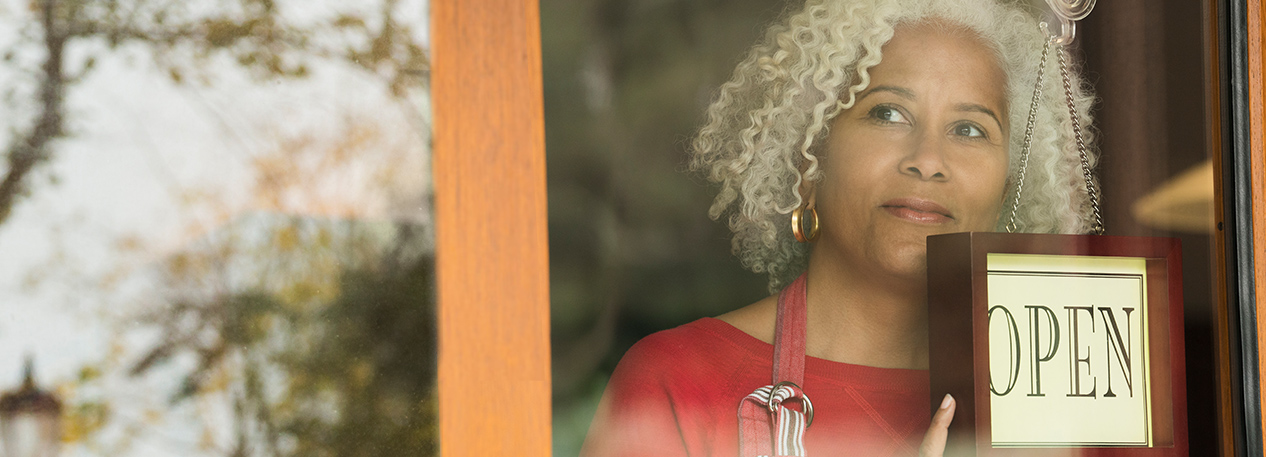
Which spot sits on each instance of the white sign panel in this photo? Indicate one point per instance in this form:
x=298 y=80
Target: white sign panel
x=1068 y=351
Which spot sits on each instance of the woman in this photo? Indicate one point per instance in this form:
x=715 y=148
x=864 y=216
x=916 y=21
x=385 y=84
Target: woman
x=884 y=121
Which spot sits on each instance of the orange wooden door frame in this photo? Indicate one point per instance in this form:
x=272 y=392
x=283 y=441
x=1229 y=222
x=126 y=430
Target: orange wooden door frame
x=490 y=212
x=1256 y=16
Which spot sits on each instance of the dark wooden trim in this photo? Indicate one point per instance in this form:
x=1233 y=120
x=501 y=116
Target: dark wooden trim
x=1228 y=396
x=490 y=213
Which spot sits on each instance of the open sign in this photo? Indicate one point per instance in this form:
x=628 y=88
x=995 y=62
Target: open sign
x=1054 y=343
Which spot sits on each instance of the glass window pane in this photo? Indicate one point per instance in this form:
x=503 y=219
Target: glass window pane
x=633 y=252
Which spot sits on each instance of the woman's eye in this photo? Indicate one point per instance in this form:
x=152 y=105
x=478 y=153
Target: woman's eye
x=887 y=114
x=969 y=130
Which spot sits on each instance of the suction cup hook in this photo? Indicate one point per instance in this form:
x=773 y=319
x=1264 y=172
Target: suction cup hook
x=1069 y=12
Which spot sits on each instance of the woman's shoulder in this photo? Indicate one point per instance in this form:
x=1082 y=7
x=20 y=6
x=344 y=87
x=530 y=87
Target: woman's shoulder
x=674 y=389
x=695 y=373
x=756 y=320
x=705 y=350
x=707 y=337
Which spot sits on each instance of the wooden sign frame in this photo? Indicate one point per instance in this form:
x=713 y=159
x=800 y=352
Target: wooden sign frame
x=958 y=330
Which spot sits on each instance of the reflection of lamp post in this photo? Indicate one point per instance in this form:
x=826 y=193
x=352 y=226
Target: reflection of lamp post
x=30 y=420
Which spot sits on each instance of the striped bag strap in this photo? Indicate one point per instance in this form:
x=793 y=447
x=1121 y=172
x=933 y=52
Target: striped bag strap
x=767 y=426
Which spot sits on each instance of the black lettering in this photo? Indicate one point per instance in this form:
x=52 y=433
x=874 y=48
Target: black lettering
x=1035 y=366
x=1013 y=350
x=1119 y=347
x=1074 y=382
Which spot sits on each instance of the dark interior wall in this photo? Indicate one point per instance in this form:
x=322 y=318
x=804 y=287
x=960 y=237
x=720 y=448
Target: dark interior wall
x=1145 y=59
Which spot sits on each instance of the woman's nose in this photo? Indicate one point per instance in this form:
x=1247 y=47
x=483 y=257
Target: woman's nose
x=926 y=160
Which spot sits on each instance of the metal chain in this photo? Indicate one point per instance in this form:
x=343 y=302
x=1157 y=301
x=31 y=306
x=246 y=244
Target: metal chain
x=1091 y=190
x=1028 y=138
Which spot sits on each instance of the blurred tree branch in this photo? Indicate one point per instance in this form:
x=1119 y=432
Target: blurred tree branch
x=312 y=315
x=332 y=351
x=32 y=148
x=253 y=32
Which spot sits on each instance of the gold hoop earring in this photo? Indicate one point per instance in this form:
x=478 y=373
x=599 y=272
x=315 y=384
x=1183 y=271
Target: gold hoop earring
x=797 y=225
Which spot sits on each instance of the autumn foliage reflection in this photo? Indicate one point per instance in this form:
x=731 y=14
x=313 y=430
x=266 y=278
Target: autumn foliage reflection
x=292 y=311
x=313 y=315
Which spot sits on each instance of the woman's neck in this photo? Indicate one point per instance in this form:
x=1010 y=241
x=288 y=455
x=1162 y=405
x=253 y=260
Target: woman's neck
x=866 y=319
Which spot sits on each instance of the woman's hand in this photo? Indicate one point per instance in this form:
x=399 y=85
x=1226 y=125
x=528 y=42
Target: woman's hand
x=934 y=440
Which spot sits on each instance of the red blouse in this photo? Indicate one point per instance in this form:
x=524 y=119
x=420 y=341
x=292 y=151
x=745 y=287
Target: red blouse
x=677 y=392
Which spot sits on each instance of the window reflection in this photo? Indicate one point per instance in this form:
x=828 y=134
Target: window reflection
x=632 y=253
x=216 y=224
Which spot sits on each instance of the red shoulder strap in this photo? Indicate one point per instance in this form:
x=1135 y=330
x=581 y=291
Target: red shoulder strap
x=766 y=428
x=789 y=333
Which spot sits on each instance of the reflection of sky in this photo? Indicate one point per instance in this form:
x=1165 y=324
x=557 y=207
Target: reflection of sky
x=136 y=140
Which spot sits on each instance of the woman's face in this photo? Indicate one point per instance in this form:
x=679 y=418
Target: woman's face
x=922 y=151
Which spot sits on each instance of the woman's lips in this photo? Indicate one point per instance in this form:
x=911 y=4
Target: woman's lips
x=918 y=210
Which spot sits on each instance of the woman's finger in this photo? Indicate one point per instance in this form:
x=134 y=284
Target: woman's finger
x=938 y=431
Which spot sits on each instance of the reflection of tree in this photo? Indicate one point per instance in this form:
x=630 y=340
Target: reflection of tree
x=312 y=316
x=320 y=331
x=309 y=307
x=31 y=148
x=183 y=37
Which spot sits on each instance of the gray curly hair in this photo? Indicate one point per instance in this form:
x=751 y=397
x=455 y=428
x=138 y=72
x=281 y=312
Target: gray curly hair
x=767 y=123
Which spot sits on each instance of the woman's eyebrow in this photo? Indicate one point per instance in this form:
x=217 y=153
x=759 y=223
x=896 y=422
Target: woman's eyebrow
x=975 y=108
x=899 y=91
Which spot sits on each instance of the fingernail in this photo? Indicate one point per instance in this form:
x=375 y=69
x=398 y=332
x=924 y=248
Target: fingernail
x=946 y=402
